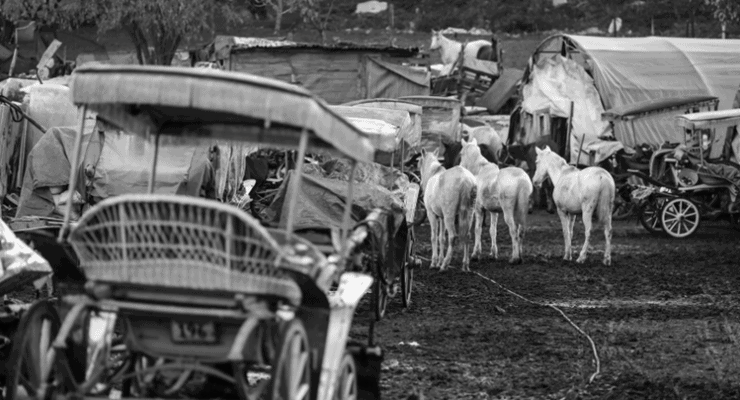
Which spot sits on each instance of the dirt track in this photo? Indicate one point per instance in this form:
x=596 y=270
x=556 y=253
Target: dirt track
x=664 y=318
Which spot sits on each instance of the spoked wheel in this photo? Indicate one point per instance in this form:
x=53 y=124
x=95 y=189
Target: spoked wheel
x=650 y=217
x=30 y=366
x=680 y=218
x=380 y=294
x=291 y=372
x=347 y=380
x=407 y=275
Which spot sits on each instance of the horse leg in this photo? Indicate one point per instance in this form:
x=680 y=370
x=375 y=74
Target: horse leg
x=565 y=221
x=608 y=240
x=480 y=214
x=514 y=233
x=549 y=202
x=440 y=240
x=449 y=223
x=433 y=222
x=587 y=216
x=493 y=230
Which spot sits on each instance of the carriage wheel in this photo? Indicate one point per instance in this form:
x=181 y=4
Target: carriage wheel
x=29 y=365
x=407 y=275
x=347 y=380
x=291 y=372
x=680 y=218
x=650 y=217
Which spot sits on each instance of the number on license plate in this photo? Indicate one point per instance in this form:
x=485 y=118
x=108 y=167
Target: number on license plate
x=193 y=332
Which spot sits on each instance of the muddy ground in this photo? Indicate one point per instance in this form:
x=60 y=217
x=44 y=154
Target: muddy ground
x=664 y=318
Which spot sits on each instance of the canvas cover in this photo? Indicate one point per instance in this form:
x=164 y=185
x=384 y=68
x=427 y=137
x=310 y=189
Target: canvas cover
x=121 y=167
x=630 y=70
x=322 y=196
x=554 y=84
x=125 y=164
x=388 y=80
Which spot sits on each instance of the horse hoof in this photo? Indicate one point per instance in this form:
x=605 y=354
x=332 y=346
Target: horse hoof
x=515 y=261
x=607 y=262
x=581 y=260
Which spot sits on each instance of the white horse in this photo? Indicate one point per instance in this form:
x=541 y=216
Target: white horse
x=448 y=193
x=586 y=192
x=506 y=191
x=450 y=50
x=487 y=135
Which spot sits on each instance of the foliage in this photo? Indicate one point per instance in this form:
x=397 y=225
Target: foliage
x=156 y=27
x=317 y=14
x=725 y=10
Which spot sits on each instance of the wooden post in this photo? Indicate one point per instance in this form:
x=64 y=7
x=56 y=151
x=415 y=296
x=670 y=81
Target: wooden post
x=724 y=30
x=570 y=128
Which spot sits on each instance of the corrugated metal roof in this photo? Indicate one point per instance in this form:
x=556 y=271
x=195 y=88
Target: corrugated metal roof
x=246 y=45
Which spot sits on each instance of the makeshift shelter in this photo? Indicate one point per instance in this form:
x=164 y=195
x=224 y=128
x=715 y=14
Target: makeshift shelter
x=338 y=73
x=596 y=74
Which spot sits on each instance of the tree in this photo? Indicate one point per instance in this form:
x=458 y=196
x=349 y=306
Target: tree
x=282 y=7
x=156 y=27
x=316 y=13
x=725 y=11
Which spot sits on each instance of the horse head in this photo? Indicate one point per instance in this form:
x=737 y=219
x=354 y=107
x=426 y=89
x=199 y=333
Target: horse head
x=427 y=163
x=469 y=153
x=436 y=42
x=544 y=162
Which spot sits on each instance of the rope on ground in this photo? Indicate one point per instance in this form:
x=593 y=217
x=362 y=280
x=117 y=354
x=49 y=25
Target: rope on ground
x=593 y=345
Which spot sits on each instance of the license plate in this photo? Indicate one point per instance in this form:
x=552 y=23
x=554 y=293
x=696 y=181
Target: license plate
x=193 y=332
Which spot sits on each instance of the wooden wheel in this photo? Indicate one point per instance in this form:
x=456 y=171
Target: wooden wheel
x=380 y=295
x=291 y=372
x=31 y=363
x=407 y=275
x=680 y=218
x=650 y=217
x=347 y=379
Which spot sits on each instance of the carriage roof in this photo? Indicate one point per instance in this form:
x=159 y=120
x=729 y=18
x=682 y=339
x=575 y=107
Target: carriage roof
x=214 y=104
x=642 y=108
x=385 y=127
x=710 y=119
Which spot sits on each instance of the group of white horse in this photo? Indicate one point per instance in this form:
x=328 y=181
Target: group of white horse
x=476 y=187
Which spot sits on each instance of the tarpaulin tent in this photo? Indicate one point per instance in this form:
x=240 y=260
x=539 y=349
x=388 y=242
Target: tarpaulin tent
x=601 y=73
x=338 y=73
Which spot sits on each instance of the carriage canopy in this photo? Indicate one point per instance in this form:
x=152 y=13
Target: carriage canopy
x=214 y=105
x=710 y=120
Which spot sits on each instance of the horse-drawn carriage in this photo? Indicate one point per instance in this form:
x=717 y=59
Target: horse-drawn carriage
x=178 y=286
x=689 y=182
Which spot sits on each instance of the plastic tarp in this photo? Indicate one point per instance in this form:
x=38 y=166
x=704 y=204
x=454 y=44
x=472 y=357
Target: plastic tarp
x=48 y=166
x=125 y=164
x=388 y=80
x=322 y=197
x=554 y=84
x=630 y=70
x=19 y=264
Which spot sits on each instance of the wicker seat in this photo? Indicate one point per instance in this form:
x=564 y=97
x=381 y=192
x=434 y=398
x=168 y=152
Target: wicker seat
x=180 y=242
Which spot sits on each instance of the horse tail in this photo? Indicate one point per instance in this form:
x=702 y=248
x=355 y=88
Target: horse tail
x=605 y=204
x=466 y=208
x=523 y=198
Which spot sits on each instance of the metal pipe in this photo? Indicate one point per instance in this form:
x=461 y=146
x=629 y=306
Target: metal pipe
x=296 y=184
x=153 y=175
x=74 y=167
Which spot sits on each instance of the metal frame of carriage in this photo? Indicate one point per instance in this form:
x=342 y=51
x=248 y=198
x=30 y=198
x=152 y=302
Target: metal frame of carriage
x=411 y=201
x=197 y=282
x=628 y=114
x=676 y=208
